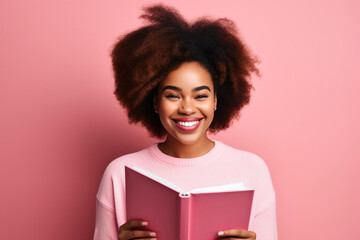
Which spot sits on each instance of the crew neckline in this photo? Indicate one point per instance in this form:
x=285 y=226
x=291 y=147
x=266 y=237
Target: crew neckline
x=206 y=158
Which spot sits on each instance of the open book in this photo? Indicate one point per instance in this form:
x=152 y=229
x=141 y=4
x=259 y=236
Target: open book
x=175 y=215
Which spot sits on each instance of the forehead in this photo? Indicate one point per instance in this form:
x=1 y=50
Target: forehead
x=188 y=76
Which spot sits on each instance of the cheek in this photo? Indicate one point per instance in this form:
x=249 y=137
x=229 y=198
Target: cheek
x=207 y=108
x=166 y=109
x=210 y=112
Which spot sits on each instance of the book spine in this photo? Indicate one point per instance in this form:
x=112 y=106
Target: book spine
x=185 y=216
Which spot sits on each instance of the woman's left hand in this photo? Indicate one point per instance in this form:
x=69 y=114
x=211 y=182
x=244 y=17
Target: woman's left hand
x=237 y=234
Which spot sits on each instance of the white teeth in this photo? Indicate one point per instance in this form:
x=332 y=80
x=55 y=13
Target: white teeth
x=187 y=124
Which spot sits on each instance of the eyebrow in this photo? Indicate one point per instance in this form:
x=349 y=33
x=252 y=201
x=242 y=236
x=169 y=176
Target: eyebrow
x=179 y=89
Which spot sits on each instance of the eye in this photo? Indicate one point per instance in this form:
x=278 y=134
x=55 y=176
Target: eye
x=201 y=96
x=172 y=96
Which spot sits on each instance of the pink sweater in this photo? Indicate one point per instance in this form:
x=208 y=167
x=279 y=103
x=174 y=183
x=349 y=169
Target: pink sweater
x=222 y=165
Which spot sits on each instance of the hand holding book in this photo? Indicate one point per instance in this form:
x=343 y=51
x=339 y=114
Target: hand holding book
x=135 y=229
x=237 y=233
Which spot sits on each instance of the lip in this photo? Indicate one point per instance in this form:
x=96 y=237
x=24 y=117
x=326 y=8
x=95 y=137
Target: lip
x=187 y=128
x=187 y=119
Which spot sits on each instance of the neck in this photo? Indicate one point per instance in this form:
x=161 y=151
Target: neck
x=177 y=149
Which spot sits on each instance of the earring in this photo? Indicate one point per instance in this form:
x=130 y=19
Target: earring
x=215 y=109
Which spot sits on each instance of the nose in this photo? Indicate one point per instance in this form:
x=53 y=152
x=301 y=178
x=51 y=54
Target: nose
x=187 y=107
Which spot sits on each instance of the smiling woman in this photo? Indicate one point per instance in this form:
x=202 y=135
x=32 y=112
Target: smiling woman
x=181 y=80
x=142 y=59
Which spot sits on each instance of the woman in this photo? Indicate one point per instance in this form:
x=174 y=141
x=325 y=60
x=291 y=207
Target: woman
x=181 y=80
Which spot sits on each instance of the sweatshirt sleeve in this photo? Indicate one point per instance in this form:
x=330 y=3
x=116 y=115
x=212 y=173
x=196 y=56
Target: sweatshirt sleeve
x=105 y=226
x=110 y=203
x=264 y=224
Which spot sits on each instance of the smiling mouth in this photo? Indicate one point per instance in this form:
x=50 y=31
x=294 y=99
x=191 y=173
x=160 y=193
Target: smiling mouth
x=187 y=124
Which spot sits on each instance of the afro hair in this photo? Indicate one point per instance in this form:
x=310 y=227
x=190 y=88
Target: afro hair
x=143 y=58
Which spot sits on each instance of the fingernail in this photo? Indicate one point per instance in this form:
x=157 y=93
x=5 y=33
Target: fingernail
x=144 y=223
x=152 y=234
x=220 y=233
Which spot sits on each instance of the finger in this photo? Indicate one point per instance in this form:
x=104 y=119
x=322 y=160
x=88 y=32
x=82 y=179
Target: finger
x=137 y=234
x=146 y=238
x=240 y=233
x=133 y=223
x=233 y=238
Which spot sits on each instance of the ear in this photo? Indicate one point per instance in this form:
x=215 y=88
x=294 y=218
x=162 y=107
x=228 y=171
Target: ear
x=215 y=101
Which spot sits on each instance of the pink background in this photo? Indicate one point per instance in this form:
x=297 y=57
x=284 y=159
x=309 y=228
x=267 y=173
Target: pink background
x=61 y=125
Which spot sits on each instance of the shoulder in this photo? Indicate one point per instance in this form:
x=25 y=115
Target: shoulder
x=117 y=165
x=114 y=172
x=241 y=156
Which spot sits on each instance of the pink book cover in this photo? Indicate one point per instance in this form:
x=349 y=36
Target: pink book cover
x=174 y=215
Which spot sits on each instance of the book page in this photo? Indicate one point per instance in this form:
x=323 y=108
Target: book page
x=158 y=179
x=223 y=188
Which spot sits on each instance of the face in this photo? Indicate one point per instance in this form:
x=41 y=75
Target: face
x=186 y=102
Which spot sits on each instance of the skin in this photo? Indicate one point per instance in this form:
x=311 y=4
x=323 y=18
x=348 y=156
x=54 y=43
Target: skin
x=187 y=93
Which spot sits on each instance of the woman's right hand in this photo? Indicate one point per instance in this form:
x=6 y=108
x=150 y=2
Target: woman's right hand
x=135 y=229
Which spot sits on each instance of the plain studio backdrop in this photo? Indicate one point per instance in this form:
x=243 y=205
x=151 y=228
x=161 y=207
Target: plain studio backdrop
x=61 y=124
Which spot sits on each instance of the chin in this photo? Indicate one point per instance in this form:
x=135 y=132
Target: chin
x=188 y=139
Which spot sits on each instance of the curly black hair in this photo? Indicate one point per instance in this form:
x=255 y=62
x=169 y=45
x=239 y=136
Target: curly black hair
x=143 y=58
